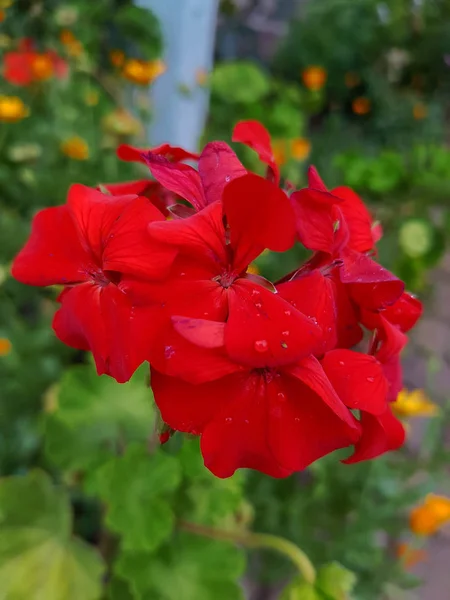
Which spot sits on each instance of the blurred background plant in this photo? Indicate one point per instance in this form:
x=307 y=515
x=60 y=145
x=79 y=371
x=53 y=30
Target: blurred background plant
x=357 y=88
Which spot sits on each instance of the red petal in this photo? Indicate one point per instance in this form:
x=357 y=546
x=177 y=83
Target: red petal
x=349 y=332
x=53 y=253
x=316 y=221
x=207 y=334
x=103 y=320
x=314 y=296
x=259 y=216
x=358 y=219
x=202 y=235
x=17 y=68
x=264 y=330
x=405 y=312
x=315 y=182
x=94 y=215
x=129 y=248
x=358 y=380
x=379 y=435
x=302 y=427
x=256 y=136
x=218 y=165
x=187 y=407
x=179 y=178
x=141 y=187
x=392 y=339
x=172 y=153
x=371 y=286
x=392 y=369
x=238 y=436
x=311 y=373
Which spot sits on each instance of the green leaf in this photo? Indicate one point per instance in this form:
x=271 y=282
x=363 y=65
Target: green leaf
x=335 y=581
x=38 y=556
x=190 y=568
x=96 y=416
x=136 y=488
x=241 y=82
x=300 y=590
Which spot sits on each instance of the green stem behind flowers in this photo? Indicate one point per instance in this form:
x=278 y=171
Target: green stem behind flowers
x=258 y=540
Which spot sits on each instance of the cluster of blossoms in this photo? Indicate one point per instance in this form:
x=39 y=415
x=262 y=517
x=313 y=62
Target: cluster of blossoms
x=265 y=372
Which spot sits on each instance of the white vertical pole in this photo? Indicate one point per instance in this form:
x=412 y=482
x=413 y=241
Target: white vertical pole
x=180 y=105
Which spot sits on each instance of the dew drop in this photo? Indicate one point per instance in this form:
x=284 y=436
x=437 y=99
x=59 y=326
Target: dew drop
x=287 y=313
x=284 y=345
x=246 y=421
x=182 y=274
x=205 y=314
x=285 y=333
x=371 y=379
x=169 y=351
x=255 y=293
x=297 y=420
x=281 y=397
x=258 y=305
x=227 y=178
x=228 y=420
x=261 y=346
x=342 y=363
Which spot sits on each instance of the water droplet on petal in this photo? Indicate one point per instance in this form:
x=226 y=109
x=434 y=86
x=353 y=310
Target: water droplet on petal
x=287 y=313
x=284 y=345
x=261 y=346
x=246 y=421
x=371 y=379
x=205 y=314
x=182 y=274
x=169 y=351
x=255 y=293
x=227 y=178
x=228 y=420
x=281 y=397
x=285 y=333
x=297 y=420
x=342 y=363
x=258 y=305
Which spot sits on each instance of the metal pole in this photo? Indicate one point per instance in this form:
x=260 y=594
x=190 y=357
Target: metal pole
x=180 y=105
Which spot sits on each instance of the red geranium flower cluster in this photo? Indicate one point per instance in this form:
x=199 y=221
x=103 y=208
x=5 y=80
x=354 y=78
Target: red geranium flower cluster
x=26 y=65
x=265 y=372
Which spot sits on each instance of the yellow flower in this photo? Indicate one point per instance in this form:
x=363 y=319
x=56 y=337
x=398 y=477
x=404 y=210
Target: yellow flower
x=143 y=72
x=5 y=41
x=117 y=58
x=91 y=98
x=420 y=111
x=5 y=346
x=201 y=76
x=42 y=67
x=361 y=105
x=5 y=3
x=50 y=399
x=253 y=269
x=300 y=148
x=314 y=77
x=121 y=122
x=430 y=516
x=414 y=404
x=12 y=109
x=410 y=556
x=75 y=148
x=352 y=79
x=279 y=151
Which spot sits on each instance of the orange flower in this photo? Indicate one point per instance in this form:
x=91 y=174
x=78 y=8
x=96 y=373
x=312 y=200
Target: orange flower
x=42 y=67
x=361 y=105
x=420 y=111
x=143 y=72
x=314 y=77
x=410 y=556
x=352 y=79
x=117 y=58
x=2 y=16
x=5 y=346
x=430 y=516
x=75 y=148
x=201 y=76
x=12 y=109
x=414 y=404
x=300 y=148
x=279 y=151
x=67 y=37
x=121 y=122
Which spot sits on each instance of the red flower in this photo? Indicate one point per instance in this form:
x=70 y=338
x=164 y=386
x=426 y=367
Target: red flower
x=26 y=66
x=95 y=245
x=275 y=420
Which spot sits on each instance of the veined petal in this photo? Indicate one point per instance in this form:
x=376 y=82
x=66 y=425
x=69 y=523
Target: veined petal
x=217 y=166
x=405 y=312
x=172 y=153
x=179 y=178
x=53 y=253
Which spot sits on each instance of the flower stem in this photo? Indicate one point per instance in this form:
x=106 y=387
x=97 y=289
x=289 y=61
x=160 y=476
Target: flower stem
x=258 y=540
